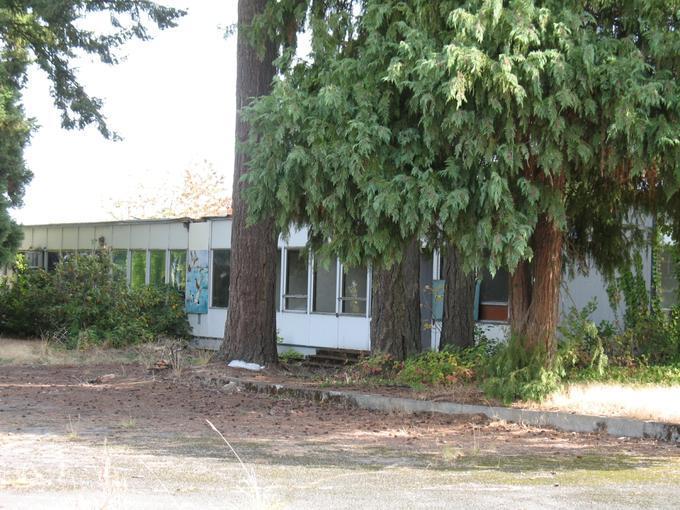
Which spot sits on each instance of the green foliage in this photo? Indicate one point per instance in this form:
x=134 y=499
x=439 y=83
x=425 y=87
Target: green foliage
x=90 y=302
x=291 y=356
x=432 y=368
x=465 y=122
x=581 y=344
x=664 y=375
x=449 y=366
x=49 y=34
x=514 y=372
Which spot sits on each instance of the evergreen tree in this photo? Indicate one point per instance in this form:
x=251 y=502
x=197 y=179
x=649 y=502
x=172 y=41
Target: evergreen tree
x=487 y=125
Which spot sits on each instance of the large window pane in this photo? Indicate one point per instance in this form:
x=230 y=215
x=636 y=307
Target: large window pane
x=178 y=269
x=277 y=296
x=324 y=286
x=34 y=259
x=669 y=283
x=53 y=259
x=119 y=260
x=157 y=267
x=138 y=269
x=220 y=278
x=296 y=280
x=354 y=290
x=494 y=290
x=493 y=297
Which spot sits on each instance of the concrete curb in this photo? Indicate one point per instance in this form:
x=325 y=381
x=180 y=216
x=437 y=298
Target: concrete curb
x=614 y=426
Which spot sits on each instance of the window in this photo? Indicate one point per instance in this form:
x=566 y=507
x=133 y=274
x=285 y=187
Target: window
x=156 y=267
x=34 y=259
x=324 y=286
x=668 y=293
x=178 y=269
x=138 y=269
x=295 y=297
x=493 y=296
x=119 y=261
x=354 y=291
x=220 y=278
x=277 y=296
x=53 y=259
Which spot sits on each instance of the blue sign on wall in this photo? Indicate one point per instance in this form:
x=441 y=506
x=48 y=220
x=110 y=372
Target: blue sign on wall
x=196 y=300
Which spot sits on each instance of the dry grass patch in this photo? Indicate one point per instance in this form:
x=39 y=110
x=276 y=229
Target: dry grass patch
x=644 y=402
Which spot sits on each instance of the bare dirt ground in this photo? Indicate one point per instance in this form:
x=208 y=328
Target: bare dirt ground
x=141 y=440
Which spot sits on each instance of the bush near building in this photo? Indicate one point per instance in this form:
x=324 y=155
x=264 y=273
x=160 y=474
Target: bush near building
x=87 y=301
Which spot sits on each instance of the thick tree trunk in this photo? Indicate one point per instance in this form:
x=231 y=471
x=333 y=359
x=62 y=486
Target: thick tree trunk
x=250 y=331
x=520 y=296
x=535 y=290
x=395 y=307
x=458 y=323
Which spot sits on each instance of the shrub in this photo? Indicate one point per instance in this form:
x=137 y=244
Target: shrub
x=431 y=368
x=515 y=372
x=88 y=299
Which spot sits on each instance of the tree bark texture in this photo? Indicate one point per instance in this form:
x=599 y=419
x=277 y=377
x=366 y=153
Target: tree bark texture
x=395 y=306
x=535 y=290
x=250 y=331
x=458 y=322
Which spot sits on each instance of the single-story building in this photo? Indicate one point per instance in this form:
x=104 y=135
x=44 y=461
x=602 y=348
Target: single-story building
x=317 y=305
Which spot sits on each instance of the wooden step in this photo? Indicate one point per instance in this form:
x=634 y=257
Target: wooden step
x=335 y=357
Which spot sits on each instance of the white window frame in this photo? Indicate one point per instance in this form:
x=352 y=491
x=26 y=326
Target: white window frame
x=341 y=298
x=312 y=282
x=284 y=282
x=210 y=278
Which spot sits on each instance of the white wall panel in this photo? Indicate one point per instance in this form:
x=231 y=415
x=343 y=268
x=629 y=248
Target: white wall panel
x=159 y=234
x=54 y=238
x=139 y=237
x=221 y=233
x=120 y=238
x=295 y=239
x=323 y=330
x=69 y=238
x=293 y=327
x=87 y=239
x=39 y=238
x=178 y=237
x=210 y=325
x=27 y=241
x=199 y=235
x=354 y=333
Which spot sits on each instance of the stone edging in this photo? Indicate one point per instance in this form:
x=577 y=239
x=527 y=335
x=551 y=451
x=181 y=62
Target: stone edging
x=614 y=426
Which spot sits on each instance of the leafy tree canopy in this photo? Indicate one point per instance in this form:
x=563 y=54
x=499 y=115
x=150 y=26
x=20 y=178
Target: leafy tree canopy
x=50 y=34
x=468 y=121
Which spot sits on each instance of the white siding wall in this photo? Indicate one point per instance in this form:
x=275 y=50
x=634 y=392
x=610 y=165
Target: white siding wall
x=297 y=328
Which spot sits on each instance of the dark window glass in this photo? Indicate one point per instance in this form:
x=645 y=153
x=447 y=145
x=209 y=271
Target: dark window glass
x=324 y=286
x=296 y=280
x=354 y=290
x=34 y=259
x=277 y=296
x=157 y=267
x=53 y=259
x=669 y=283
x=119 y=260
x=220 y=278
x=494 y=290
x=138 y=269
x=178 y=269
